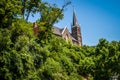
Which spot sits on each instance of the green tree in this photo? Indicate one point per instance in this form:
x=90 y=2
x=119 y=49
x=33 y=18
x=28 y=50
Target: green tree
x=9 y=11
x=31 y=7
x=106 y=55
x=24 y=55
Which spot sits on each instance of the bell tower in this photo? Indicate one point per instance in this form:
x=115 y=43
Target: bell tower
x=76 y=30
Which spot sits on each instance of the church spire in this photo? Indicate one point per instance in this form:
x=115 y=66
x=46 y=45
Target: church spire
x=75 y=22
x=76 y=30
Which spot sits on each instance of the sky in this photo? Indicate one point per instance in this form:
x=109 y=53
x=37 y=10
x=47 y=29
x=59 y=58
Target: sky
x=97 y=18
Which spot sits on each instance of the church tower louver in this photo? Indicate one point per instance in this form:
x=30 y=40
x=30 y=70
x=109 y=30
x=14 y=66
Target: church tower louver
x=76 y=30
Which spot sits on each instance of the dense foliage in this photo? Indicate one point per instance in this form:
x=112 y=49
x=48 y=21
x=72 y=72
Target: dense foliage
x=25 y=56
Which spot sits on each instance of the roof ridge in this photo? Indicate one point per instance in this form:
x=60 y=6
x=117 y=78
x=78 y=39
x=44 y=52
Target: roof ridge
x=64 y=29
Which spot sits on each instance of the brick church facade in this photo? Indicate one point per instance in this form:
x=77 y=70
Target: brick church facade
x=75 y=36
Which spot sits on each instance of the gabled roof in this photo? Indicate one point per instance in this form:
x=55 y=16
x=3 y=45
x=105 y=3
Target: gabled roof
x=59 y=32
x=64 y=29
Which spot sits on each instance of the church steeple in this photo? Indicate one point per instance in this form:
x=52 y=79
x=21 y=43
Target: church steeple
x=75 y=22
x=76 y=30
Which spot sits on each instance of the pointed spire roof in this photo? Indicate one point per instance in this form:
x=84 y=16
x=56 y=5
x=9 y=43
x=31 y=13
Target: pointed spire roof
x=75 y=22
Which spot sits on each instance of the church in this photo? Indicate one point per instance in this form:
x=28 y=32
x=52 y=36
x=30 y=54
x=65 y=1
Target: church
x=75 y=36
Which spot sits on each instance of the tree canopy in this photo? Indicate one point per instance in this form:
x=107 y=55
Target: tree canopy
x=25 y=56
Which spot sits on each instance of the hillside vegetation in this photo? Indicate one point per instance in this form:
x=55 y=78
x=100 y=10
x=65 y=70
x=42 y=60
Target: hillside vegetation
x=25 y=56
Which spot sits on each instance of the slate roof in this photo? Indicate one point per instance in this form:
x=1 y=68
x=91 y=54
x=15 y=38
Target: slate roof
x=73 y=38
x=58 y=31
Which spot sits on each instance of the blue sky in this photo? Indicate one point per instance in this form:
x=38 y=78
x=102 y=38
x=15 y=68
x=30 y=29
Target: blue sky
x=97 y=18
